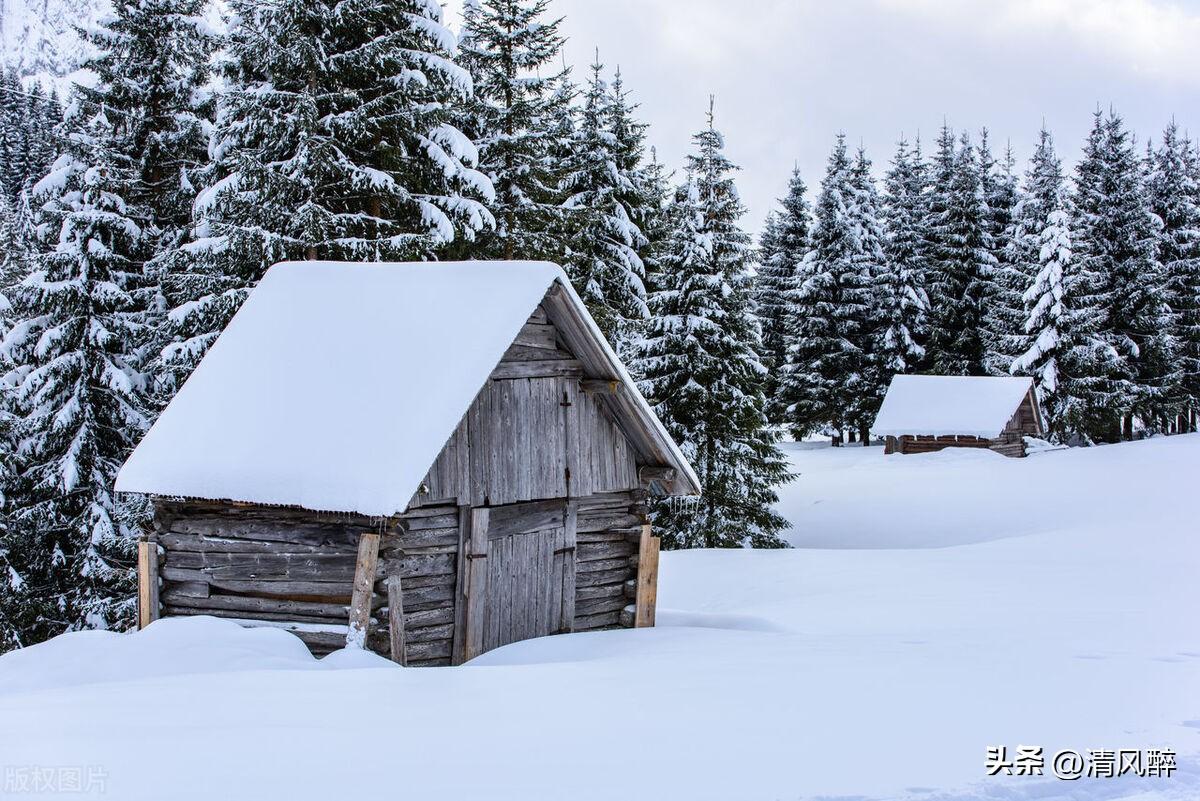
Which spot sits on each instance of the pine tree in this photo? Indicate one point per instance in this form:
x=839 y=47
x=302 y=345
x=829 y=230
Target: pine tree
x=782 y=248
x=702 y=370
x=76 y=393
x=1174 y=196
x=15 y=132
x=1118 y=248
x=960 y=260
x=1040 y=257
x=826 y=364
x=505 y=46
x=1004 y=311
x=1089 y=389
x=904 y=302
x=322 y=152
x=152 y=68
x=604 y=259
x=867 y=388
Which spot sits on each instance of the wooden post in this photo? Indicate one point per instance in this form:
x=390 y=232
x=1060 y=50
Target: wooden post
x=647 y=579
x=364 y=589
x=395 y=600
x=148 y=607
x=475 y=553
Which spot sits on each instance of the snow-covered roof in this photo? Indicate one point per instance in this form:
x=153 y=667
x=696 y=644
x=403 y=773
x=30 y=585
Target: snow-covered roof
x=336 y=385
x=940 y=405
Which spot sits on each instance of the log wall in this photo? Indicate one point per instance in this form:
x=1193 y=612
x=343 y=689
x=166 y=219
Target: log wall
x=294 y=569
x=1010 y=443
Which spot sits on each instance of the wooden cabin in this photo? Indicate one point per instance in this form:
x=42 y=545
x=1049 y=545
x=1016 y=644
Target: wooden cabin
x=924 y=413
x=432 y=460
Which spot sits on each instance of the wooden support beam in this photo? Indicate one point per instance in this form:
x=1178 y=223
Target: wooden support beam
x=475 y=553
x=148 y=602
x=651 y=473
x=599 y=386
x=459 y=646
x=364 y=590
x=395 y=601
x=647 y=579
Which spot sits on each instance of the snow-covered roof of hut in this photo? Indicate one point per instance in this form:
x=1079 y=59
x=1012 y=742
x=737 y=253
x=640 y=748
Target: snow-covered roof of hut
x=336 y=385
x=940 y=405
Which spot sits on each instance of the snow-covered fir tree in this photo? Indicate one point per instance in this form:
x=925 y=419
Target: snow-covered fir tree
x=702 y=370
x=510 y=48
x=872 y=265
x=75 y=395
x=151 y=72
x=904 y=304
x=1117 y=247
x=1005 y=283
x=826 y=368
x=1174 y=196
x=333 y=141
x=15 y=236
x=1040 y=256
x=604 y=251
x=782 y=248
x=151 y=67
x=960 y=259
x=27 y=121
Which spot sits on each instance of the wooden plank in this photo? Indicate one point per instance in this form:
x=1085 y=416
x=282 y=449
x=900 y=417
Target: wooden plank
x=525 y=517
x=476 y=554
x=396 y=633
x=251 y=606
x=575 y=485
x=599 y=386
x=458 y=654
x=567 y=610
x=536 y=335
x=148 y=601
x=265 y=567
x=564 y=368
x=647 y=579
x=364 y=589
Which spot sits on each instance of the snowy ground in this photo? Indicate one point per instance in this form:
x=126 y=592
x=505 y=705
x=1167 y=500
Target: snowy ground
x=867 y=663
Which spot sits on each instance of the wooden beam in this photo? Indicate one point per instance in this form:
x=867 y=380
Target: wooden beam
x=570 y=555
x=148 y=602
x=649 y=473
x=545 y=368
x=647 y=579
x=475 y=554
x=395 y=601
x=364 y=589
x=459 y=649
x=599 y=386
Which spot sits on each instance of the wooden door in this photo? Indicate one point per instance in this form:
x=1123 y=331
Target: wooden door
x=515 y=585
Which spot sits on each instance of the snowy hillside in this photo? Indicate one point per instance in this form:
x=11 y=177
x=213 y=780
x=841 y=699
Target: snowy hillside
x=1066 y=619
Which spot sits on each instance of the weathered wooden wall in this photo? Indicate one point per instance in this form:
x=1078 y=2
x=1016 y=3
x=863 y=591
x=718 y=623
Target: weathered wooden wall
x=532 y=433
x=295 y=569
x=1009 y=443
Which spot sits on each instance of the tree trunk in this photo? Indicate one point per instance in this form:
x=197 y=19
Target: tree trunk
x=864 y=434
x=1127 y=427
x=851 y=436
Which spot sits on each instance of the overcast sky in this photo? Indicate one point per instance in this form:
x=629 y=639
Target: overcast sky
x=789 y=74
